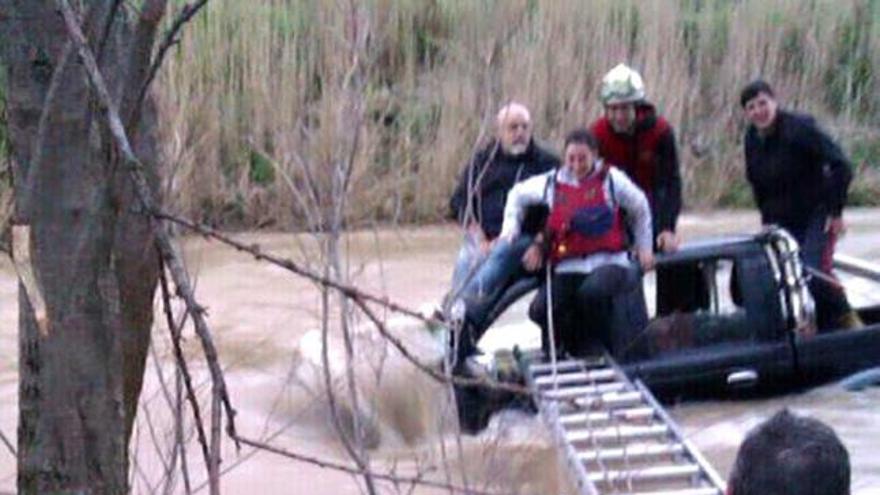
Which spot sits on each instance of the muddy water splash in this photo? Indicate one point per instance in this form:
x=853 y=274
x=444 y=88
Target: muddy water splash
x=407 y=415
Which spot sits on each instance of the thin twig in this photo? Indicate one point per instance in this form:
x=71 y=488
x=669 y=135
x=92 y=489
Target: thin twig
x=8 y=444
x=322 y=463
x=175 y=331
x=168 y=476
x=163 y=385
x=151 y=429
x=186 y=13
x=178 y=433
x=353 y=87
x=108 y=24
x=331 y=394
x=355 y=294
x=214 y=462
x=137 y=470
x=139 y=55
x=290 y=265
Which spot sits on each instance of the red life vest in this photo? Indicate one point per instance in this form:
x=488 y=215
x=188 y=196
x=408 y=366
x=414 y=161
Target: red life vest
x=582 y=222
x=636 y=153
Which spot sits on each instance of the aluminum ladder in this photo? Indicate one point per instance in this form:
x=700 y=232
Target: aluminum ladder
x=614 y=435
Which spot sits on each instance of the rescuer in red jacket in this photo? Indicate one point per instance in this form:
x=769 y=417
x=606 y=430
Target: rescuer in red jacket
x=634 y=138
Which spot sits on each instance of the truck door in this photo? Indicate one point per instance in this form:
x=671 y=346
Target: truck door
x=734 y=341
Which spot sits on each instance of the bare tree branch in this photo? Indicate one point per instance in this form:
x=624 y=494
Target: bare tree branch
x=6 y=208
x=186 y=13
x=154 y=437
x=290 y=265
x=8 y=444
x=163 y=237
x=355 y=294
x=108 y=24
x=178 y=434
x=214 y=462
x=138 y=61
x=171 y=464
x=347 y=444
x=175 y=331
x=417 y=480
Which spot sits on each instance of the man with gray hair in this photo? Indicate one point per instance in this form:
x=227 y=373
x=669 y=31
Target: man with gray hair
x=486 y=264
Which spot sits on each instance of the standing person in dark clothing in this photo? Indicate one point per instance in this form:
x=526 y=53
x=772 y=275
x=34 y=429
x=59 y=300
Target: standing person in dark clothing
x=486 y=263
x=799 y=178
x=633 y=137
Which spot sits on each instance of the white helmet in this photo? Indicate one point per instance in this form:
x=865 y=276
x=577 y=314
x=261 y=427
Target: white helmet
x=621 y=85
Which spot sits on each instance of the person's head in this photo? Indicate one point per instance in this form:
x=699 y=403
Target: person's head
x=580 y=152
x=621 y=90
x=514 y=128
x=791 y=455
x=759 y=104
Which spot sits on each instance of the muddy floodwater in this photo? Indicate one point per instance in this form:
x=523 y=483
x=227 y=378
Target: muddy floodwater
x=267 y=326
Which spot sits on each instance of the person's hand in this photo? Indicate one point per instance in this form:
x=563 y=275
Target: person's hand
x=646 y=259
x=668 y=241
x=835 y=226
x=486 y=245
x=476 y=232
x=533 y=258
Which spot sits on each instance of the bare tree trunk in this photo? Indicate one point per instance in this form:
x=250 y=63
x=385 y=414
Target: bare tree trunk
x=81 y=368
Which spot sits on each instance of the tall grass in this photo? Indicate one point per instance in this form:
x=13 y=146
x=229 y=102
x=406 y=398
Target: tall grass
x=253 y=91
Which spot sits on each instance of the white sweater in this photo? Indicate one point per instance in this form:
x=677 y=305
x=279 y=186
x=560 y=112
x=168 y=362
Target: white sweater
x=627 y=195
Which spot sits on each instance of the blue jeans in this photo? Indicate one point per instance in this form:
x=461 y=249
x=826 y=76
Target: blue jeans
x=469 y=259
x=500 y=268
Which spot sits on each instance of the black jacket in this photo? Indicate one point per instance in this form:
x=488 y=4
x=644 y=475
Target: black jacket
x=483 y=185
x=796 y=171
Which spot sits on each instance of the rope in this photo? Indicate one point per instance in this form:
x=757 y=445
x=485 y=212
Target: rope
x=551 y=328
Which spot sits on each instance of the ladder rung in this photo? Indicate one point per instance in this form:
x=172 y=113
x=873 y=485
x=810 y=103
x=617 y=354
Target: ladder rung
x=601 y=417
x=637 y=452
x=577 y=377
x=561 y=367
x=653 y=473
x=612 y=399
x=684 y=491
x=617 y=433
x=614 y=433
x=575 y=392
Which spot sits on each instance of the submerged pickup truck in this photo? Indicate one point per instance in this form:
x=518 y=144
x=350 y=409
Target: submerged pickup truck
x=747 y=325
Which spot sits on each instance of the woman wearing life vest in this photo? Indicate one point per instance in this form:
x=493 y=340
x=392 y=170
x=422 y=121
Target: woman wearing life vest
x=585 y=239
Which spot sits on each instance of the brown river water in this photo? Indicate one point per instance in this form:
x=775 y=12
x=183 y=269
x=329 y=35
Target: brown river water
x=266 y=324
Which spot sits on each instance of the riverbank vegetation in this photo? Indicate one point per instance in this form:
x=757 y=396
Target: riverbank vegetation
x=251 y=97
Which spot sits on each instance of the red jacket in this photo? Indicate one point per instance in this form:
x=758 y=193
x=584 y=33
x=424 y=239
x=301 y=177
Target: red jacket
x=649 y=157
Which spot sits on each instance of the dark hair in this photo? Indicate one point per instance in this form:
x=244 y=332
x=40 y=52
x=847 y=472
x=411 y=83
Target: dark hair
x=753 y=89
x=791 y=454
x=581 y=136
